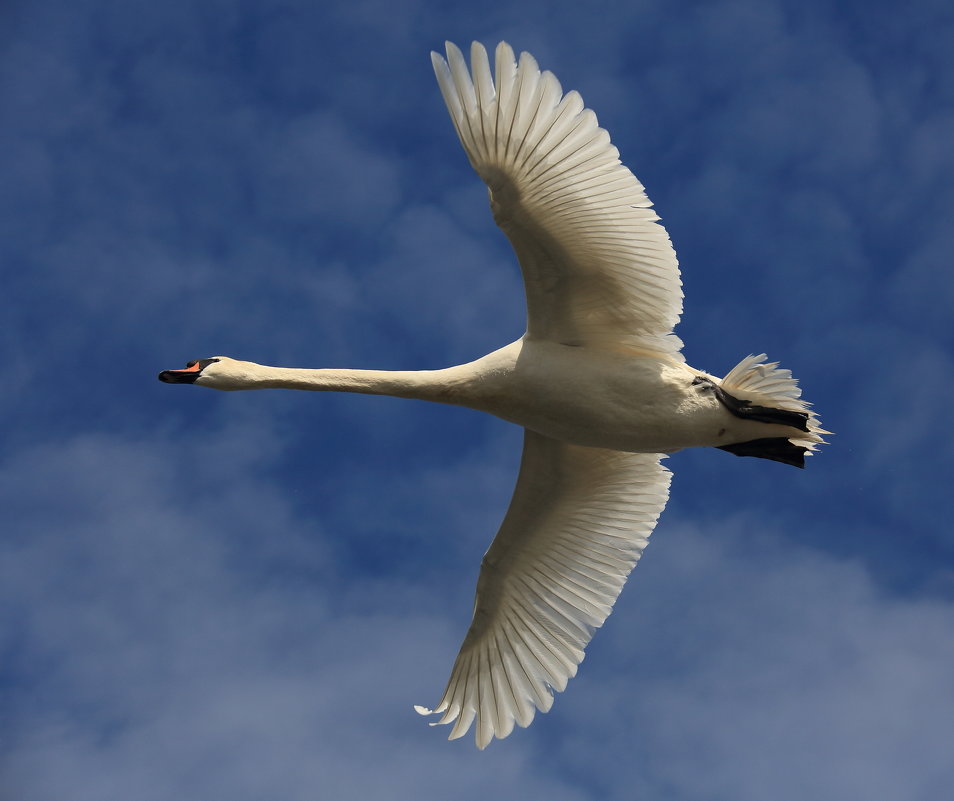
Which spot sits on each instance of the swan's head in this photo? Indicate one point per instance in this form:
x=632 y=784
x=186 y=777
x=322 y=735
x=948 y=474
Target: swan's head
x=217 y=372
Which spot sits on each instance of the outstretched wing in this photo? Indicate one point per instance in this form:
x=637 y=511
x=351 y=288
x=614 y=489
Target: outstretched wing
x=577 y=524
x=597 y=267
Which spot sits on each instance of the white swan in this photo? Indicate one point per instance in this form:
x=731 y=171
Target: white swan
x=597 y=382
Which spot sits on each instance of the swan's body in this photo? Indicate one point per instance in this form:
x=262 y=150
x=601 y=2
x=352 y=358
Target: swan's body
x=597 y=383
x=628 y=401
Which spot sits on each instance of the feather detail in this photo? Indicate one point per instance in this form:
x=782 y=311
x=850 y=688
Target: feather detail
x=577 y=524
x=598 y=269
x=764 y=383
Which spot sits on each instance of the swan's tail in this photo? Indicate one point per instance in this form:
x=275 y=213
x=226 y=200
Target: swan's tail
x=761 y=390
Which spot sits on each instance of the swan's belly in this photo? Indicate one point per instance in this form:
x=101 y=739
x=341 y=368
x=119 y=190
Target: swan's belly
x=601 y=399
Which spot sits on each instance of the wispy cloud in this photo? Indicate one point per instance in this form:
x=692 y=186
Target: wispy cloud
x=241 y=596
x=192 y=635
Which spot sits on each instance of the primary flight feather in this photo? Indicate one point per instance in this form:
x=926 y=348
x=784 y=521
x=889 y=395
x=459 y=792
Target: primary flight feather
x=597 y=382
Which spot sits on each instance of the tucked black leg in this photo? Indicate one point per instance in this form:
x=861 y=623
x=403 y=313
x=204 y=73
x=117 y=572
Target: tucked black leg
x=778 y=449
x=761 y=414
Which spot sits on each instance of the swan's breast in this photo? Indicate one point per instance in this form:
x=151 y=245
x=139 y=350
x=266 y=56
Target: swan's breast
x=597 y=398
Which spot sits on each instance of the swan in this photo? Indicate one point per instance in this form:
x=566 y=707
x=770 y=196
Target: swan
x=597 y=382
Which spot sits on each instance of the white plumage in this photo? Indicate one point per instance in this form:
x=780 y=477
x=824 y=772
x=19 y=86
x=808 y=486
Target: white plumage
x=577 y=524
x=597 y=382
x=578 y=219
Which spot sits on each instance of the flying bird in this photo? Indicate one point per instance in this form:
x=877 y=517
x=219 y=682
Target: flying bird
x=597 y=382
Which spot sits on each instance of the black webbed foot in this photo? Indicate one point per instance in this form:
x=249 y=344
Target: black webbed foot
x=747 y=410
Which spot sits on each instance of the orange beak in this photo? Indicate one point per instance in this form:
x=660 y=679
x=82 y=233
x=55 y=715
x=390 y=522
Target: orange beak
x=185 y=376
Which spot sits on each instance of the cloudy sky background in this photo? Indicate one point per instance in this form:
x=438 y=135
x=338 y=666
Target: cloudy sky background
x=240 y=596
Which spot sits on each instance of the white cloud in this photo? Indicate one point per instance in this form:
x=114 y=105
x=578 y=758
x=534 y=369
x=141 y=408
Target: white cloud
x=196 y=638
x=205 y=602
x=743 y=666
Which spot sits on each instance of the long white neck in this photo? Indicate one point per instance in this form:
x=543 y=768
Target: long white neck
x=449 y=385
x=477 y=384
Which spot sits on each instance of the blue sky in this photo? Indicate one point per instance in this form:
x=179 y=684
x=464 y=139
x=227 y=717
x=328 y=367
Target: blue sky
x=241 y=596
